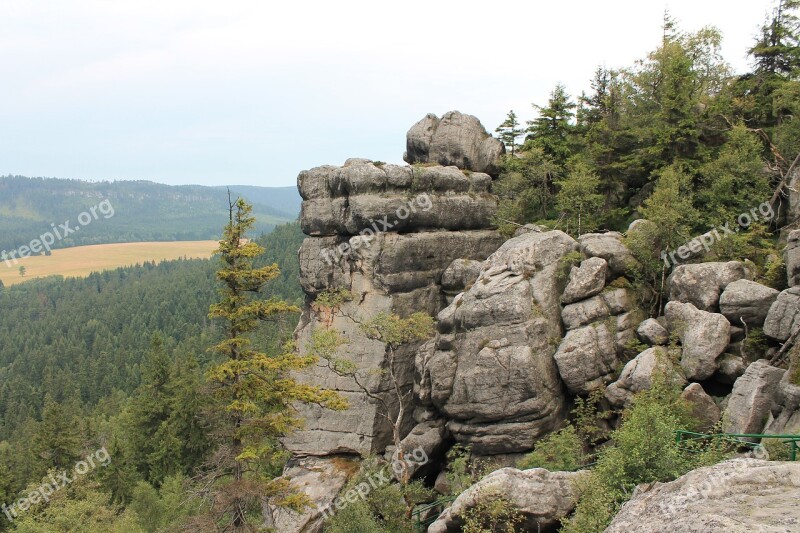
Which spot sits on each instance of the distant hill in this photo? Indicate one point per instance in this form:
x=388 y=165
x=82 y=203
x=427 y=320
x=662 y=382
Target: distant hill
x=142 y=211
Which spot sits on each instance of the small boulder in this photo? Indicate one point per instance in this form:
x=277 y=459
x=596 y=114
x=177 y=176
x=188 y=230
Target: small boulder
x=703 y=407
x=637 y=375
x=609 y=303
x=653 y=333
x=701 y=284
x=541 y=497
x=586 y=281
x=704 y=336
x=750 y=402
x=783 y=318
x=748 y=301
x=608 y=246
x=587 y=358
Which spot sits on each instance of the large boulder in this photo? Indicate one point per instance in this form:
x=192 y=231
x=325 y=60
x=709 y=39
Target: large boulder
x=785 y=416
x=783 y=318
x=737 y=496
x=456 y=139
x=586 y=280
x=542 y=498
x=747 y=301
x=701 y=284
x=750 y=402
x=704 y=337
x=491 y=371
x=587 y=358
x=362 y=198
x=794 y=196
x=637 y=375
x=792 y=258
x=608 y=246
x=427 y=437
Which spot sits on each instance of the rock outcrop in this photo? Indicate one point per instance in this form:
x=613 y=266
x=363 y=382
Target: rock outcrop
x=490 y=370
x=794 y=197
x=541 y=497
x=456 y=139
x=386 y=234
x=737 y=496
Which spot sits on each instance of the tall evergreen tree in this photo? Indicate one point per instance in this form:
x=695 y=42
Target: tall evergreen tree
x=256 y=390
x=509 y=131
x=551 y=130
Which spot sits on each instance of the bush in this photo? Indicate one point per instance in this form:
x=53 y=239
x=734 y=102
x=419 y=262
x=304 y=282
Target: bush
x=643 y=450
x=560 y=451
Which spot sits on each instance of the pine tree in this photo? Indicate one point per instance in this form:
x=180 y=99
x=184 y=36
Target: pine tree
x=509 y=131
x=58 y=436
x=255 y=389
x=552 y=129
x=578 y=199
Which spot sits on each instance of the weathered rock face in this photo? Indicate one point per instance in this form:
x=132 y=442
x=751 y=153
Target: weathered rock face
x=543 y=498
x=461 y=274
x=785 y=416
x=701 y=284
x=394 y=269
x=783 y=318
x=587 y=358
x=792 y=258
x=752 y=396
x=637 y=376
x=490 y=370
x=747 y=301
x=362 y=198
x=455 y=139
x=320 y=480
x=737 y=496
x=794 y=197
x=704 y=336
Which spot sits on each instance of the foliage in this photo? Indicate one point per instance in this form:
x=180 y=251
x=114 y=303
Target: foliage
x=578 y=199
x=559 y=451
x=493 y=514
x=642 y=450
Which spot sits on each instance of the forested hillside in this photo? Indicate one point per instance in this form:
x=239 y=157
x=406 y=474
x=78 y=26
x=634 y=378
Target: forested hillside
x=135 y=211
x=72 y=352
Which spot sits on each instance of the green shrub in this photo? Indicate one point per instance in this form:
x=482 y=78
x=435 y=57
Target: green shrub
x=559 y=451
x=494 y=514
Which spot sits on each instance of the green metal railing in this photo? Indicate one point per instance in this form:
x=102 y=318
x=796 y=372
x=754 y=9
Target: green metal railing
x=423 y=521
x=682 y=436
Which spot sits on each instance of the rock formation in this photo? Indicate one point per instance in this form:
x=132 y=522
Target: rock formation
x=454 y=140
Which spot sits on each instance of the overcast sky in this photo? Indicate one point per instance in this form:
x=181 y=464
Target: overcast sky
x=248 y=92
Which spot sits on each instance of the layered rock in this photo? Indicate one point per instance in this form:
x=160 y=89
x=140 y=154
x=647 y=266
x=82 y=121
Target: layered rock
x=490 y=370
x=541 y=498
x=391 y=260
x=456 y=139
x=737 y=496
x=363 y=198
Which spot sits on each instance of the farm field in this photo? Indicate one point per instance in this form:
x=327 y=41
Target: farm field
x=80 y=261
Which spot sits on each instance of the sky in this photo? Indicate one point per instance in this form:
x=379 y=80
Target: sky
x=253 y=92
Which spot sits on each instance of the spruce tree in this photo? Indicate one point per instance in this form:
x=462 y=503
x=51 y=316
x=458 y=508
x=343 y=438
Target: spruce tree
x=255 y=390
x=509 y=131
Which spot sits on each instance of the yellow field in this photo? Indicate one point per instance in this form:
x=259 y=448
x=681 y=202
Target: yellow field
x=83 y=260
